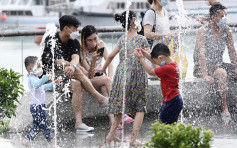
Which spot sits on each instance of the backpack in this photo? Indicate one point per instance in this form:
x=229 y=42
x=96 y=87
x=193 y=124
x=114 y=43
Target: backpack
x=150 y=41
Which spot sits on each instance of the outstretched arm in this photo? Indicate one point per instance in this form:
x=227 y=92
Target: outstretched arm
x=110 y=58
x=146 y=52
x=110 y=66
x=48 y=86
x=36 y=83
x=148 y=69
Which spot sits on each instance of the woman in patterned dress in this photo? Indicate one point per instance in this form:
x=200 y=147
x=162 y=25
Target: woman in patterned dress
x=136 y=80
x=92 y=59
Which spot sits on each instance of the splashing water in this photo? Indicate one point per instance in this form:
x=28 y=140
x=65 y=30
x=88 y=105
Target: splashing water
x=51 y=30
x=181 y=22
x=182 y=13
x=129 y=3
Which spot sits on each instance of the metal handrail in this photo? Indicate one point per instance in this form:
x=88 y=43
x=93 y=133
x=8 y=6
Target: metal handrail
x=11 y=33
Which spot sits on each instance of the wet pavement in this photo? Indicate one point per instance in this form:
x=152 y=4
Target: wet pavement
x=224 y=136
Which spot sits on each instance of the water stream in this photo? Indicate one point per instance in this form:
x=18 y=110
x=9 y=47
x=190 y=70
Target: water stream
x=129 y=3
x=51 y=30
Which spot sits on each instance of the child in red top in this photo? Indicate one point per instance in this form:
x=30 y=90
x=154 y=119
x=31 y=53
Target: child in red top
x=168 y=73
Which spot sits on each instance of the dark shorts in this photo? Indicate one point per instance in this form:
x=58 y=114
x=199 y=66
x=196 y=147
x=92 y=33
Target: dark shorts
x=170 y=111
x=64 y=85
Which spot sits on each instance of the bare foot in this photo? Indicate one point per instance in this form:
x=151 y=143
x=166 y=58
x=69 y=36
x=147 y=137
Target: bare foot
x=136 y=143
x=52 y=145
x=110 y=138
x=26 y=143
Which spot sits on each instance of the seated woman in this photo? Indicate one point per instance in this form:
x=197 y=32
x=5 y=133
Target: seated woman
x=93 y=50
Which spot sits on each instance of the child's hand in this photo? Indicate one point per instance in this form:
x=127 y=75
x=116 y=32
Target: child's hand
x=146 y=50
x=140 y=50
x=138 y=54
x=58 y=81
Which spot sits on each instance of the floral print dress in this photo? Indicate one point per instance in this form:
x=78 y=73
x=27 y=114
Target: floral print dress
x=88 y=56
x=136 y=79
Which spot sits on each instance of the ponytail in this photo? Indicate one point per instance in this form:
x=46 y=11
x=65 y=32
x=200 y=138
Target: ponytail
x=122 y=18
x=151 y=1
x=117 y=17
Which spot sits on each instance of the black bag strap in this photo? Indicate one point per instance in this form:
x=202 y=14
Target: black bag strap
x=154 y=26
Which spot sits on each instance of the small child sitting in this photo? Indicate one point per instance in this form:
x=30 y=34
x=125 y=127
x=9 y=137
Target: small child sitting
x=37 y=90
x=168 y=73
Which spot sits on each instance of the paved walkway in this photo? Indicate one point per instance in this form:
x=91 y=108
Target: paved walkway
x=67 y=138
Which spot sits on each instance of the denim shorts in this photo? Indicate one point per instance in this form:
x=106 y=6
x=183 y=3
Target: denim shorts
x=170 y=110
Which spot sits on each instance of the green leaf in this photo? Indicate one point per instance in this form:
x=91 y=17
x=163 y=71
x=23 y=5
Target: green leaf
x=10 y=90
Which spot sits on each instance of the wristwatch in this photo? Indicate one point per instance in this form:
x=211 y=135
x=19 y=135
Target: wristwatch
x=73 y=66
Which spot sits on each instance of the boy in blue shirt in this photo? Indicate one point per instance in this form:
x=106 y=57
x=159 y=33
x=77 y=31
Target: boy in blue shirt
x=37 y=90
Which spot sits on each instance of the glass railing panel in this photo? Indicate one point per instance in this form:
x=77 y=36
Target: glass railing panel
x=111 y=40
x=15 y=49
x=11 y=53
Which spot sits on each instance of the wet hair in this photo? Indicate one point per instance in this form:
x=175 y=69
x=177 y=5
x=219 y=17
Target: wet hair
x=214 y=10
x=68 y=20
x=160 y=49
x=30 y=61
x=122 y=18
x=85 y=33
x=151 y=1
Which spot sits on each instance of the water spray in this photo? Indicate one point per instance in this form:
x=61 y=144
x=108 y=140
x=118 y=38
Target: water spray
x=51 y=30
x=129 y=3
x=181 y=22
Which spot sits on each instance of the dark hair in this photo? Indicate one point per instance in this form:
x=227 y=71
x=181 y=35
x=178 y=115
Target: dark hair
x=30 y=61
x=214 y=10
x=68 y=20
x=151 y=1
x=85 y=33
x=160 y=49
x=122 y=18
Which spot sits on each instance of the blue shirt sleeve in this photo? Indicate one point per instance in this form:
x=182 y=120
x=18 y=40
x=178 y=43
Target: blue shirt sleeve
x=48 y=86
x=36 y=83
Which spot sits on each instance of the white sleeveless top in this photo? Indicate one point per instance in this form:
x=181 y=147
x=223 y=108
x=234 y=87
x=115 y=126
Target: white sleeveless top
x=162 y=23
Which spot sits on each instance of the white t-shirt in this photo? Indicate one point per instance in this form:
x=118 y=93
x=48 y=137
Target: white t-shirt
x=162 y=23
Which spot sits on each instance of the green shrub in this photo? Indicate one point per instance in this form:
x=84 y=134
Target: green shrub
x=4 y=126
x=179 y=136
x=10 y=90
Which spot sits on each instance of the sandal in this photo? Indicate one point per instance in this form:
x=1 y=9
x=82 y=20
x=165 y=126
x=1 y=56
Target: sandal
x=128 y=119
x=225 y=115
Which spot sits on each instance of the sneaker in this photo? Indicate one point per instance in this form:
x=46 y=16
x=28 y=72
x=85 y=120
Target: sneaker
x=105 y=104
x=84 y=128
